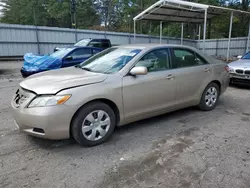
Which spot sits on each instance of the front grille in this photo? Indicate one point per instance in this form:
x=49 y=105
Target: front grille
x=247 y=71
x=239 y=71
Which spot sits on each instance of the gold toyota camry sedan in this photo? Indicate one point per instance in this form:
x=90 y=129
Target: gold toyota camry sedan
x=115 y=87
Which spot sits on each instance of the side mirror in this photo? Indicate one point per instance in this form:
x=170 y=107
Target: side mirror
x=239 y=56
x=68 y=58
x=139 y=71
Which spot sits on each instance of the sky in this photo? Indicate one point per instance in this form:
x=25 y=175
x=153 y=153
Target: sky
x=0 y=8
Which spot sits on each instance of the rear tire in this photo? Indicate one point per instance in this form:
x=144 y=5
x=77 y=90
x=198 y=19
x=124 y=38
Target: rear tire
x=93 y=124
x=209 y=97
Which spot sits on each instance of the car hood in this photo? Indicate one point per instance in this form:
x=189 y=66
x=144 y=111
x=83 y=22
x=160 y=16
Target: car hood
x=51 y=82
x=242 y=64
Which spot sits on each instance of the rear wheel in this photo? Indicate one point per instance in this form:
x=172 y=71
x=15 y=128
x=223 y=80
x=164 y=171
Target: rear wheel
x=93 y=124
x=209 y=97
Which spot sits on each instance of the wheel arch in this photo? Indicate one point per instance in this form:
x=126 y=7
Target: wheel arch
x=109 y=102
x=218 y=83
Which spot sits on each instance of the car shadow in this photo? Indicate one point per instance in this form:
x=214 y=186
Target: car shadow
x=120 y=132
x=240 y=86
x=157 y=119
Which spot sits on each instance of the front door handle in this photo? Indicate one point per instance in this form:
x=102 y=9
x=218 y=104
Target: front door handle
x=170 y=77
x=207 y=70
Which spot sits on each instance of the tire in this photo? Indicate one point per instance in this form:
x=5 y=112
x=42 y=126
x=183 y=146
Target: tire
x=231 y=81
x=205 y=105
x=93 y=124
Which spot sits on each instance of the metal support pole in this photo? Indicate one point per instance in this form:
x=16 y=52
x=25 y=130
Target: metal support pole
x=248 y=38
x=182 y=31
x=75 y=27
x=229 y=36
x=160 y=32
x=134 y=30
x=199 y=36
x=37 y=36
x=205 y=29
x=150 y=31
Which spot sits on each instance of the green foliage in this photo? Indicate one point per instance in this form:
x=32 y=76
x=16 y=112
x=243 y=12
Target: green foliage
x=49 y=13
x=117 y=15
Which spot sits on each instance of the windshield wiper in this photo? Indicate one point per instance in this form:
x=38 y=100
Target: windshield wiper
x=78 y=66
x=87 y=69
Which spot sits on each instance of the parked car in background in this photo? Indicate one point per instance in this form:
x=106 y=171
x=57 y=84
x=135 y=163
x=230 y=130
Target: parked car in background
x=66 y=57
x=98 y=43
x=115 y=87
x=240 y=70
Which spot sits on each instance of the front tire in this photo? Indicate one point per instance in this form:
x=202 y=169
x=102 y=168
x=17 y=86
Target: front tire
x=209 y=97
x=93 y=124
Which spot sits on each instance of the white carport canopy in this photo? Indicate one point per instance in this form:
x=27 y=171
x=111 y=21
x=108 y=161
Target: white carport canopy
x=185 y=12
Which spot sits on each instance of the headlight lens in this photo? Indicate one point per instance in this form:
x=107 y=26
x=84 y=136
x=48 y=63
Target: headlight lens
x=49 y=101
x=231 y=70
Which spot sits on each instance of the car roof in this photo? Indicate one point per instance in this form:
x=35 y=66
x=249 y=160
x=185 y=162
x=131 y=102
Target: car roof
x=94 y=39
x=151 y=45
x=78 y=47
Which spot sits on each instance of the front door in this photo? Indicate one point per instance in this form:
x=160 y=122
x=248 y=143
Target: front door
x=153 y=92
x=192 y=73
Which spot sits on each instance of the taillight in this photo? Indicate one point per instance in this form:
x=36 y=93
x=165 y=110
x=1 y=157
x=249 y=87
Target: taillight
x=227 y=68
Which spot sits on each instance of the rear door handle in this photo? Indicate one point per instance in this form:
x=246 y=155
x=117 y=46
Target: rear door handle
x=207 y=70
x=170 y=77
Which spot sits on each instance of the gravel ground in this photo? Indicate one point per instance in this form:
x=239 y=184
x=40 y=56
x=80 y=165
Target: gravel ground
x=187 y=148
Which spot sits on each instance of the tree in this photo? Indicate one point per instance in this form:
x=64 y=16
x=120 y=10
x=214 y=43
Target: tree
x=49 y=13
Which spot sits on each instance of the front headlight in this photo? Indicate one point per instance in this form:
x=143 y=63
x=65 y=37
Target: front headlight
x=231 y=70
x=49 y=101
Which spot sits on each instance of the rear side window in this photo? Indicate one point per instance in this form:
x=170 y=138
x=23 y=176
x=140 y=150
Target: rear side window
x=105 y=45
x=185 y=58
x=96 y=44
x=100 y=43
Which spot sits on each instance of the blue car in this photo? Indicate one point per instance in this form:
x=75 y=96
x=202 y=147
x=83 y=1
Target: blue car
x=66 y=57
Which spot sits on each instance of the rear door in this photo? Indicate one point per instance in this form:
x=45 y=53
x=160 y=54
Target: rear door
x=192 y=74
x=77 y=56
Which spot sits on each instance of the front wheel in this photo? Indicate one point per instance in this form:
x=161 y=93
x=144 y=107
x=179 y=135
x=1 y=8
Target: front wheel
x=209 y=97
x=93 y=124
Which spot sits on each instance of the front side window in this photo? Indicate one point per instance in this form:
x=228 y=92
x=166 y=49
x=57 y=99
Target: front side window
x=81 y=53
x=200 y=60
x=95 y=51
x=155 y=60
x=186 y=58
x=61 y=53
x=111 y=60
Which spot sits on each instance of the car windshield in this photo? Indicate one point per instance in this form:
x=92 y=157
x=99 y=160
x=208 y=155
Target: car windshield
x=111 y=60
x=83 y=42
x=246 y=56
x=61 y=53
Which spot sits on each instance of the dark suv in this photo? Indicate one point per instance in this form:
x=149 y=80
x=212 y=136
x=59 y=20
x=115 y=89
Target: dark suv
x=98 y=43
